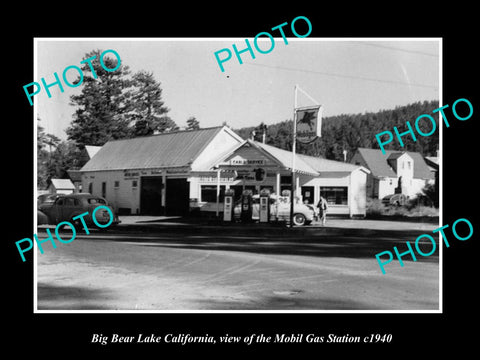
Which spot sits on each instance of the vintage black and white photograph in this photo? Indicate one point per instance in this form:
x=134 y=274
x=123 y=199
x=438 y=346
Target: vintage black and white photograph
x=268 y=174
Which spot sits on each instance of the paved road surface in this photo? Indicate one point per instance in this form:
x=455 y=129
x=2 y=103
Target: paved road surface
x=214 y=268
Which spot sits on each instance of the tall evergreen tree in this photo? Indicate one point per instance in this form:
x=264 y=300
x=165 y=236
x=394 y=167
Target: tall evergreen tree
x=102 y=106
x=146 y=109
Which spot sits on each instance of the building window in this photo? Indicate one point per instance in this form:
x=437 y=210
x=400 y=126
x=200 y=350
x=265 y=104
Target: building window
x=104 y=189
x=208 y=193
x=90 y=188
x=335 y=195
x=286 y=180
x=409 y=165
x=116 y=184
x=134 y=183
x=307 y=194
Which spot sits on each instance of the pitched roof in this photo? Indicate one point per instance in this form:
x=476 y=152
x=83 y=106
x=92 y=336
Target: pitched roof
x=308 y=164
x=395 y=155
x=285 y=158
x=62 y=183
x=378 y=164
x=322 y=164
x=174 y=149
x=433 y=162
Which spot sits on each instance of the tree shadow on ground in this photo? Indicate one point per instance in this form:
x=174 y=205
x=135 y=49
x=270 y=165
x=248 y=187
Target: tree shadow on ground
x=326 y=242
x=53 y=297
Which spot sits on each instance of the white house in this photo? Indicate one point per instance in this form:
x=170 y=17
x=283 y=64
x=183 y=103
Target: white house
x=403 y=172
x=167 y=173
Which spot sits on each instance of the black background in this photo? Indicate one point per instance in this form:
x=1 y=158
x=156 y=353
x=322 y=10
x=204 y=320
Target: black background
x=64 y=335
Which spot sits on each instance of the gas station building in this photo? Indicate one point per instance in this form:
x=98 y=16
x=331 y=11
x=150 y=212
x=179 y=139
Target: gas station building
x=175 y=173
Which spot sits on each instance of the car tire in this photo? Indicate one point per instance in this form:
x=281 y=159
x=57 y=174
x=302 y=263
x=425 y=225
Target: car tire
x=299 y=219
x=77 y=223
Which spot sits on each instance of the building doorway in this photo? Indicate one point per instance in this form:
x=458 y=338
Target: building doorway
x=177 y=197
x=151 y=195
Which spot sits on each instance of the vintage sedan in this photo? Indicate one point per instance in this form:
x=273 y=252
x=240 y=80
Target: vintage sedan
x=60 y=207
x=280 y=210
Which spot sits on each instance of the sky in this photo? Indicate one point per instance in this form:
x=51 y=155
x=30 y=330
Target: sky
x=345 y=76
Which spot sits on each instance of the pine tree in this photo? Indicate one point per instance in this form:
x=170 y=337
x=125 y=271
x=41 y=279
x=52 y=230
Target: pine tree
x=146 y=109
x=101 y=106
x=193 y=123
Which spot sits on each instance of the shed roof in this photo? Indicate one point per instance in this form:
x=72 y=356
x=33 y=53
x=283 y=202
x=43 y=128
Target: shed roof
x=378 y=164
x=62 y=184
x=174 y=149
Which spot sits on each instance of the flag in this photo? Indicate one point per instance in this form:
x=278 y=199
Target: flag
x=309 y=123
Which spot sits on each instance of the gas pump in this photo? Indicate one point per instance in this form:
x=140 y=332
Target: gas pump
x=264 y=211
x=228 y=205
x=246 y=203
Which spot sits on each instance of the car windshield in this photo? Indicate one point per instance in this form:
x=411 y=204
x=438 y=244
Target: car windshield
x=49 y=199
x=96 y=201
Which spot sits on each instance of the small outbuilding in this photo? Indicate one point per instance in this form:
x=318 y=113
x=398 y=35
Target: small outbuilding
x=61 y=186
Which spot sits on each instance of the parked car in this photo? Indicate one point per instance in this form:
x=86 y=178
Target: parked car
x=280 y=210
x=55 y=209
x=395 y=199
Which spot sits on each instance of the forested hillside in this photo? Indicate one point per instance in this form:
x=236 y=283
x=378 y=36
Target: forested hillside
x=351 y=131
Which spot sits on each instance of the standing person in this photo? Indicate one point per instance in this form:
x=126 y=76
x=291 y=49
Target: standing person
x=322 y=209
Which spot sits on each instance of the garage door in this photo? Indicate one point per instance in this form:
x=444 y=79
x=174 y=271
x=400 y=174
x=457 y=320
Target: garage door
x=151 y=196
x=177 y=197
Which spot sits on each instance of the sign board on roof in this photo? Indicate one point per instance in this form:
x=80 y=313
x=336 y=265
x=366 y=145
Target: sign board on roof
x=238 y=160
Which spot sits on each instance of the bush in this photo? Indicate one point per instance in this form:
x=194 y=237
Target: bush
x=375 y=208
x=421 y=210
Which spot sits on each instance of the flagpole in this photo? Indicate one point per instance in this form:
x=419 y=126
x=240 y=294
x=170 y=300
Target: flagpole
x=307 y=95
x=294 y=145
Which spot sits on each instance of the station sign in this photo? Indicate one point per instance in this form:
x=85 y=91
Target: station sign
x=238 y=160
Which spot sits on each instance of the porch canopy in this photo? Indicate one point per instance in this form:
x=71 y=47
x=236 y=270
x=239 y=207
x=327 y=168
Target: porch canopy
x=251 y=154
